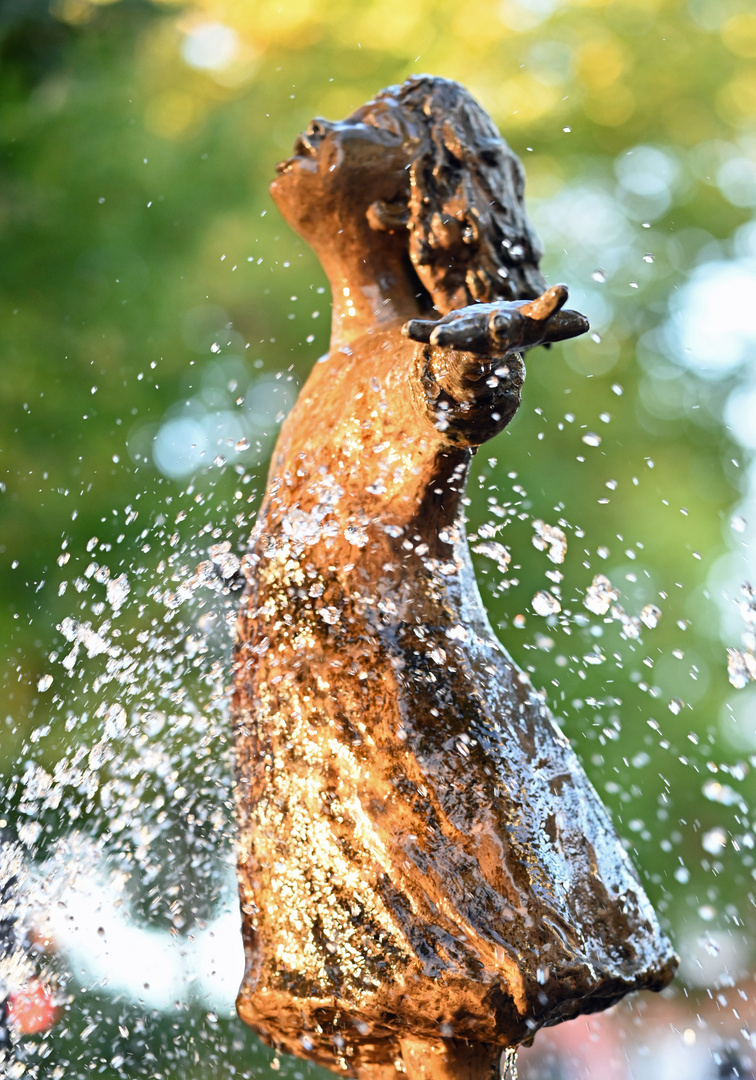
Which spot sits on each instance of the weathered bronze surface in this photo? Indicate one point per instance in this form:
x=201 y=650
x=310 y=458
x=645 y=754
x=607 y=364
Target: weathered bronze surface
x=426 y=874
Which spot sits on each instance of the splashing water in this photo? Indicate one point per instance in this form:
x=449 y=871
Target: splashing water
x=741 y=667
x=602 y=598
x=545 y=603
x=122 y=866
x=496 y=551
x=508 y=1070
x=741 y=663
x=550 y=537
x=600 y=595
x=650 y=616
x=139 y=892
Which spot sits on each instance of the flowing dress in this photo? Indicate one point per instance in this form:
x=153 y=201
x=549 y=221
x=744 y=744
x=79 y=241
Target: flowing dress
x=420 y=850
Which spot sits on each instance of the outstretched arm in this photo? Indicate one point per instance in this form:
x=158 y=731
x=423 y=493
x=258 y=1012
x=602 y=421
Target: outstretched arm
x=473 y=370
x=508 y=326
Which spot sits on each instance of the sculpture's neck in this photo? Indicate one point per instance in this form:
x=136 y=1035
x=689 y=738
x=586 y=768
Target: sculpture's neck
x=373 y=284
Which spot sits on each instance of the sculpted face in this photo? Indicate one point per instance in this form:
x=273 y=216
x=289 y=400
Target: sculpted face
x=340 y=168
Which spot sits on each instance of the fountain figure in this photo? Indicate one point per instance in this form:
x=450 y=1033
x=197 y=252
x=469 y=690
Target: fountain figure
x=427 y=876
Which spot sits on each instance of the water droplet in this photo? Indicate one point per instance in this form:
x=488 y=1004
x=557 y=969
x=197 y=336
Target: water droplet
x=631 y=624
x=712 y=949
x=617 y=389
x=599 y=275
x=591 y=439
x=551 y=537
x=676 y=706
x=720 y=793
x=215 y=347
x=330 y=615
x=221 y=555
x=714 y=841
x=496 y=551
x=741 y=667
x=44 y=683
x=738 y=523
x=748 y=605
x=650 y=616
x=508 y=1064
x=545 y=603
x=355 y=536
x=600 y=595
x=648 y=257
x=117 y=591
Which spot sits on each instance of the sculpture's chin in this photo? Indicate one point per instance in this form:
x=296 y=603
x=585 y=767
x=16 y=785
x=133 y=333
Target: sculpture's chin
x=288 y=188
x=308 y=164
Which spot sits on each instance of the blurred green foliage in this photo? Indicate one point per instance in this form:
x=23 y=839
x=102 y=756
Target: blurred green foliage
x=143 y=267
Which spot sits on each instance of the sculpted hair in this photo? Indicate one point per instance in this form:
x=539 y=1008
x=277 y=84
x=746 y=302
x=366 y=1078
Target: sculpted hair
x=469 y=236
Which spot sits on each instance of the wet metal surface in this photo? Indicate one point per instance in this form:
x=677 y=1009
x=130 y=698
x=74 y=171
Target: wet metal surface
x=422 y=860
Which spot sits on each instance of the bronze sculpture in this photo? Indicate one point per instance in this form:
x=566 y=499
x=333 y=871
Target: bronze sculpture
x=426 y=874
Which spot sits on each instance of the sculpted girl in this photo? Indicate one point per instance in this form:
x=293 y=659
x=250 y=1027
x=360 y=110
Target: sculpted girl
x=427 y=876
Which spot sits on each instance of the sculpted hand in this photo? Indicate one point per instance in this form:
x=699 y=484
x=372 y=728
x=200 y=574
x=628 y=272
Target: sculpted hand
x=507 y=326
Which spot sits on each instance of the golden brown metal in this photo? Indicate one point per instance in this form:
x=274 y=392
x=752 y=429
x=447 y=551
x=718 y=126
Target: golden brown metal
x=426 y=874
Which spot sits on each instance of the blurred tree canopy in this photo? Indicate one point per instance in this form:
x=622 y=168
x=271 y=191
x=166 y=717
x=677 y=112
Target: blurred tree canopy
x=158 y=317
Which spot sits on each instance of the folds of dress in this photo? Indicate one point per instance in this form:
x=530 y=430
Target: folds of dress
x=420 y=851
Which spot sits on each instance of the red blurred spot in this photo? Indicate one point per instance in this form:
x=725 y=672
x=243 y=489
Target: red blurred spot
x=32 y=1009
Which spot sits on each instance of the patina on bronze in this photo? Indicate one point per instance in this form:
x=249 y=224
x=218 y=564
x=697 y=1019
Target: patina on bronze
x=427 y=876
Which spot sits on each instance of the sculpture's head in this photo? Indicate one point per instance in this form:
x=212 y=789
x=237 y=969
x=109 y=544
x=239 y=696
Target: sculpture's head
x=424 y=163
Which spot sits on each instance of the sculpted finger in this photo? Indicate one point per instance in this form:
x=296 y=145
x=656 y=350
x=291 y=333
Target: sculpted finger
x=419 y=329
x=469 y=335
x=546 y=304
x=565 y=324
x=507 y=330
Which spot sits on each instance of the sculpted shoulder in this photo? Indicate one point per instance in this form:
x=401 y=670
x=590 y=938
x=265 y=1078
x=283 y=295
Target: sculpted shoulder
x=361 y=386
